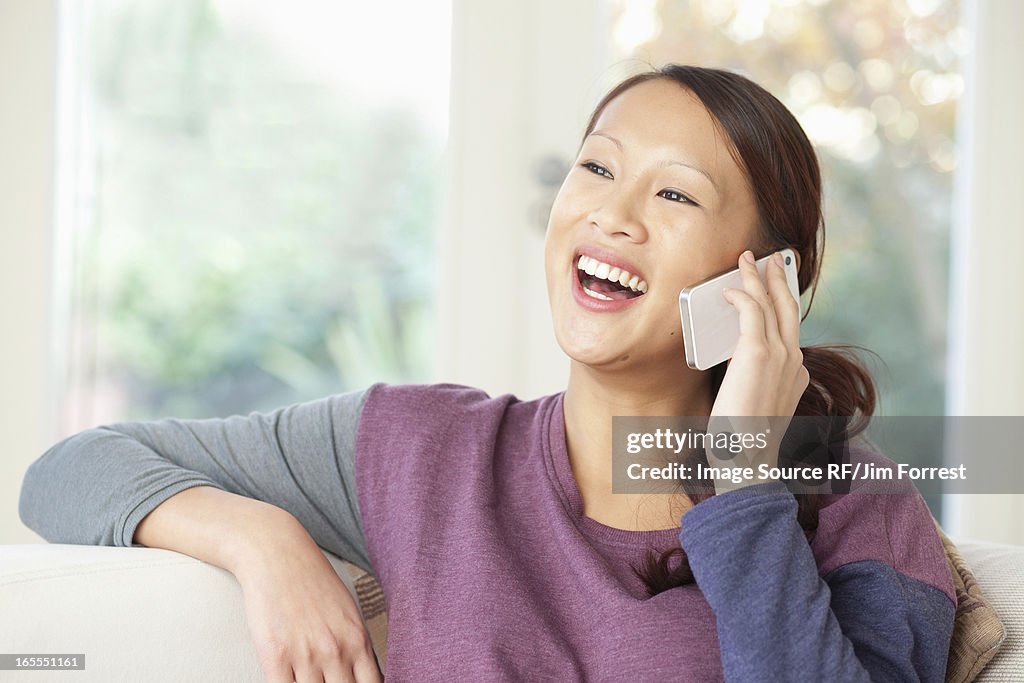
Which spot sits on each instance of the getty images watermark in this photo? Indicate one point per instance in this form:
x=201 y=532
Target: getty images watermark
x=818 y=455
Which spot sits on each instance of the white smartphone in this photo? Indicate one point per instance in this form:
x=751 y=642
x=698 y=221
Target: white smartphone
x=711 y=326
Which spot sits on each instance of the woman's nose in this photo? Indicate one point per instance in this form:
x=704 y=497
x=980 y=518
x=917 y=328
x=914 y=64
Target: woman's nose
x=618 y=216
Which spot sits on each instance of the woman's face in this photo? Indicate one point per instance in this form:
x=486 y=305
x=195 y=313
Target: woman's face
x=655 y=201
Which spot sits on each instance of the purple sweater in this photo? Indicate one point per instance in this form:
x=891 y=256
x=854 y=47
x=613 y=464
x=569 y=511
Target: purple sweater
x=466 y=510
x=491 y=572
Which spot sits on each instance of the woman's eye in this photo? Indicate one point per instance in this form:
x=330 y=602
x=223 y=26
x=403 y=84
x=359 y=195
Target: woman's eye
x=596 y=169
x=674 y=196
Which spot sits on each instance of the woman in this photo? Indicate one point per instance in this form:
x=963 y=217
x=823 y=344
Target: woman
x=490 y=522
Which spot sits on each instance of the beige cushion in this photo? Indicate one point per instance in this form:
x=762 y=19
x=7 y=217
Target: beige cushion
x=977 y=630
x=999 y=573
x=371 y=604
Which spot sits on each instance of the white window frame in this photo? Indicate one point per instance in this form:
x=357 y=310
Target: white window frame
x=986 y=332
x=524 y=75
x=28 y=54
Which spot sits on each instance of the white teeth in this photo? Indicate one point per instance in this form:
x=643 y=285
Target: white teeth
x=597 y=295
x=612 y=273
x=592 y=266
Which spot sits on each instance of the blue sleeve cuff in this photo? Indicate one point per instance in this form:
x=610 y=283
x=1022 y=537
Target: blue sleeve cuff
x=773 y=493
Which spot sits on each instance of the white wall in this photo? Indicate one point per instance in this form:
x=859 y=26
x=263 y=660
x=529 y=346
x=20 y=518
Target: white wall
x=27 y=87
x=986 y=352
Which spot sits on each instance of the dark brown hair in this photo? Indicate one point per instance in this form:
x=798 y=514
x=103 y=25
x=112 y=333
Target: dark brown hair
x=768 y=144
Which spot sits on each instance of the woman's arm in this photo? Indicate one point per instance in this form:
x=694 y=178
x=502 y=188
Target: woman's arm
x=778 y=620
x=304 y=622
x=212 y=525
x=97 y=486
x=255 y=495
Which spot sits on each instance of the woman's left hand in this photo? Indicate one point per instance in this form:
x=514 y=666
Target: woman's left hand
x=765 y=377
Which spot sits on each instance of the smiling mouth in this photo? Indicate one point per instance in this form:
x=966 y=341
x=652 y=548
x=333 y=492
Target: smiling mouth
x=606 y=282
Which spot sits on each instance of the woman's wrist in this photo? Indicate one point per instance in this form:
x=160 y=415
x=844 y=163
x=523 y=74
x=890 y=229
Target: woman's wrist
x=276 y=537
x=221 y=528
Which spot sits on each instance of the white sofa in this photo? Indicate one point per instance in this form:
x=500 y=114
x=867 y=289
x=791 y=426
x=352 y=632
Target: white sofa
x=137 y=614
x=145 y=614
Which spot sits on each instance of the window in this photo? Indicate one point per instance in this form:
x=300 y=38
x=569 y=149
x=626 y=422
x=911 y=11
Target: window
x=258 y=192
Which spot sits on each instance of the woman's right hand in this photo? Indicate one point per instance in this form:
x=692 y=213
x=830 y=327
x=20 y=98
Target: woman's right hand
x=304 y=622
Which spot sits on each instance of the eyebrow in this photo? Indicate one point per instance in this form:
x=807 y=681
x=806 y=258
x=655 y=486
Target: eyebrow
x=667 y=162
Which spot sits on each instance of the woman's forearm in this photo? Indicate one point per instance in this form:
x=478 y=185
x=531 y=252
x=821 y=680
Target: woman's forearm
x=218 y=527
x=778 y=620
x=304 y=622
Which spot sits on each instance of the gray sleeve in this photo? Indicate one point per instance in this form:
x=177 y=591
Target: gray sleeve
x=95 y=487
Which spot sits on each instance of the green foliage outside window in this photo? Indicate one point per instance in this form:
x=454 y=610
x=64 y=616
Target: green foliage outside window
x=259 y=237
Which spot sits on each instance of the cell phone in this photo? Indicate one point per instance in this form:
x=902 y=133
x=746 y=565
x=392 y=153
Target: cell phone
x=711 y=325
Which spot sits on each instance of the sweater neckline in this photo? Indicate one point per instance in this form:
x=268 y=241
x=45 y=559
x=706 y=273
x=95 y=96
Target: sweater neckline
x=560 y=471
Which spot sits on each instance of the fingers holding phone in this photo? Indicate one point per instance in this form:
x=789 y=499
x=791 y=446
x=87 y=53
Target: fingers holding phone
x=786 y=305
x=711 y=324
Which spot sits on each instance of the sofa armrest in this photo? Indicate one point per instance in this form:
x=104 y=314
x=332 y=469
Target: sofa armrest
x=135 y=613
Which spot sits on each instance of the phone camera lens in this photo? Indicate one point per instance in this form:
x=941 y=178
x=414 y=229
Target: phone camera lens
x=789 y=259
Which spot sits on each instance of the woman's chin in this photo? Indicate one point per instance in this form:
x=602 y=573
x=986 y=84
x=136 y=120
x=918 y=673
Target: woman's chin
x=630 y=349
x=597 y=351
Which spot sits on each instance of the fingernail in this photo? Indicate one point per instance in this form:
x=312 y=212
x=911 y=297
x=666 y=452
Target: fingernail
x=748 y=256
x=777 y=257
